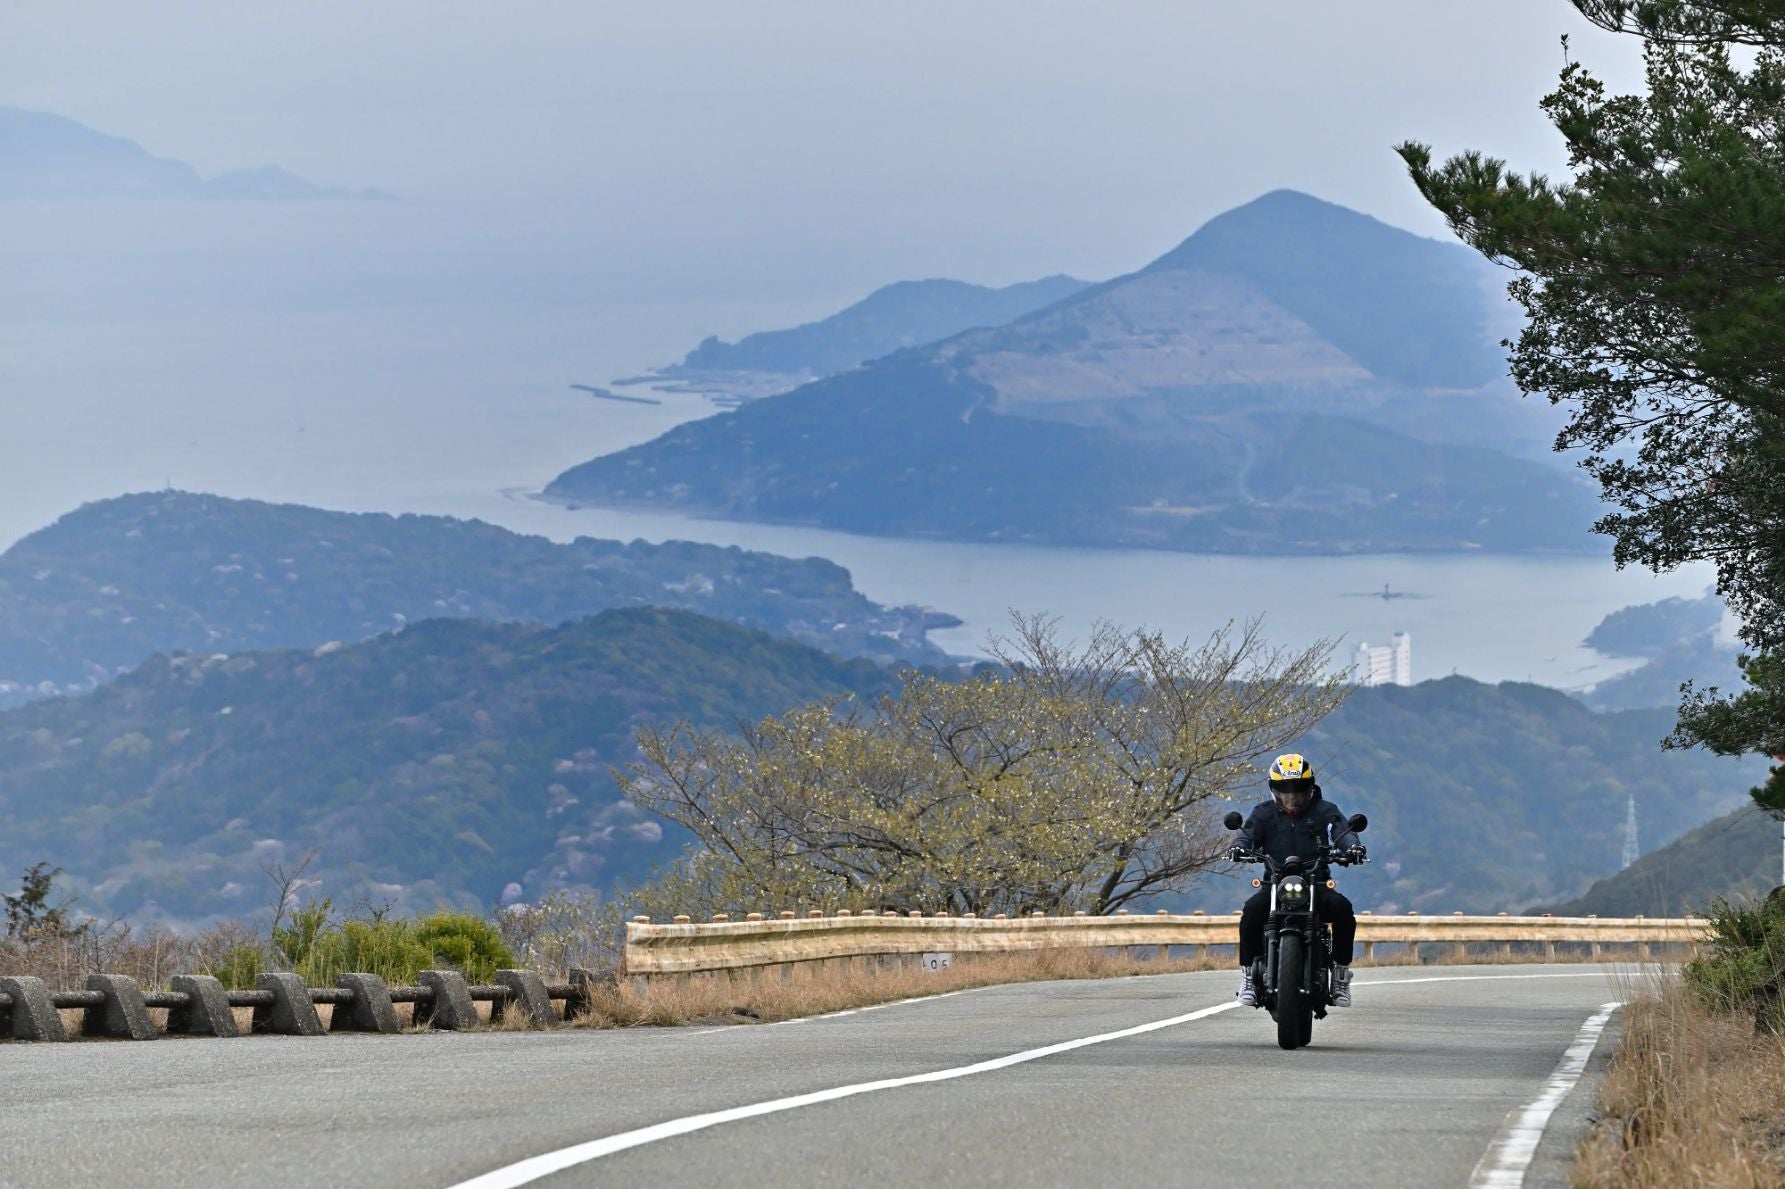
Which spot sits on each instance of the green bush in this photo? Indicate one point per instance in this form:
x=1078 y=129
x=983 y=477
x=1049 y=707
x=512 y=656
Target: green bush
x=387 y=949
x=238 y=966
x=296 y=942
x=320 y=949
x=471 y=944
x=1742 y=967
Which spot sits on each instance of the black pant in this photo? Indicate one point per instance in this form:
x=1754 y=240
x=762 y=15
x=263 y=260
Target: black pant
x=1329 y=906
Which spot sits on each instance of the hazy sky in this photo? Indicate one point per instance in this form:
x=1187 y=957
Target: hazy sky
x=852 y=141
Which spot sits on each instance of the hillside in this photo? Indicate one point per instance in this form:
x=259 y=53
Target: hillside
x=1294 y=377
x=439 y=763
x=1487 y=798
x=913 y=447
x=50 y=157
x=904 y=314
x=1734 y=857
x=115 y=581
x=453 y=758
x=1678 y=640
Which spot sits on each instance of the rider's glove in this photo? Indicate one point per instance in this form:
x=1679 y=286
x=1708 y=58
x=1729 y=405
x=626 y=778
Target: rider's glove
x=1236 y=854
x=1354 y=854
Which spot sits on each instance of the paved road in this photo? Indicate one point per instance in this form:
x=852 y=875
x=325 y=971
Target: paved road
x=1409 y=1088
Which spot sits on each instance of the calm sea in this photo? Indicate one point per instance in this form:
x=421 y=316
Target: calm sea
x=381 y=357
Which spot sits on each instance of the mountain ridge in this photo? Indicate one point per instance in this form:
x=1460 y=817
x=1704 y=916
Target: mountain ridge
x=1160 y=399
x=105 y=586
x=440 y=763
x=44 y=156
x=892 y=317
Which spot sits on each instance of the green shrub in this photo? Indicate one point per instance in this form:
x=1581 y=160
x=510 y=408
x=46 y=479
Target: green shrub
x=387 y=949
x=471 y=944
x=237 y=967
x=1742 y=967
x=296 y=941
x=320 y=950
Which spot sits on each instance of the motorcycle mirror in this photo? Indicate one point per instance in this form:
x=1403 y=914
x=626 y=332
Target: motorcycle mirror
x=1233 y=820
x=1359 y=823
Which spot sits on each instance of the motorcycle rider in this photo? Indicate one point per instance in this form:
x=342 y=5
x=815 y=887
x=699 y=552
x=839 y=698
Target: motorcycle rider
x=1295 y=821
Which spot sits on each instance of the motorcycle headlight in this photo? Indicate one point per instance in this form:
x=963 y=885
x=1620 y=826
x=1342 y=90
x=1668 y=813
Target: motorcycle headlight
x=1293 y=888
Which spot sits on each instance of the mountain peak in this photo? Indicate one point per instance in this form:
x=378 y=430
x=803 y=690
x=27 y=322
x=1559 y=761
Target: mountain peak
x=1285 y=215
x=1411 y=309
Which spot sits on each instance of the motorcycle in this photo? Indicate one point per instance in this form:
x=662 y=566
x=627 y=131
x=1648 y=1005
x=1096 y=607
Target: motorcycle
x=1293 y=980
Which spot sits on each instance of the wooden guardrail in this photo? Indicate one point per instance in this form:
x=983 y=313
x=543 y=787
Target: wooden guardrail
x=684 y=947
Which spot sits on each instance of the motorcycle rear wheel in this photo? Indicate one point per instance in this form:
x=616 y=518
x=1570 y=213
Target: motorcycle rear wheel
x=1295 y=1015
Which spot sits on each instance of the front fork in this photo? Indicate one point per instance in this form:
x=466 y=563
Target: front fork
x=1316 y=948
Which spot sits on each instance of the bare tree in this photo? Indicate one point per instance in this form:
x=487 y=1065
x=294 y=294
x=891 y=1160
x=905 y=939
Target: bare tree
x=1076 y=778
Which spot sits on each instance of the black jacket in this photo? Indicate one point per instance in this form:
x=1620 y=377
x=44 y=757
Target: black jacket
x=1278 y=835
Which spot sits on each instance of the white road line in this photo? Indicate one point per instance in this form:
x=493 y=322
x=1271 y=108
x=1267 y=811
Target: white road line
x=535 y=1167
x=943 y=995
x=1504 y=1164
x=1472 y=978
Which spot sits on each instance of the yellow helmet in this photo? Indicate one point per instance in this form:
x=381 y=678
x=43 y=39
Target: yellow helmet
x=1291 y=767
x=1292 y=783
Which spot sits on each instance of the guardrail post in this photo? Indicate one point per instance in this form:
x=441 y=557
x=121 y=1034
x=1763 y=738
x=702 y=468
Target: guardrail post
x=1369 y=952
x=451 y=1009
x=206 y=1012
x=123 y=1014
x=371 y=1009
x=32 y=1015
x=527 y=995
x=292 y=1013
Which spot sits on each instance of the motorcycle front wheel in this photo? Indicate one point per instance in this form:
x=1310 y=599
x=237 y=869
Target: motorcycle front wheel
x=1295 y=1015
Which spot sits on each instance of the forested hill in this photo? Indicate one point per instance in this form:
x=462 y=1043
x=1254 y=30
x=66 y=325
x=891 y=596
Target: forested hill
x=1489 y=798
x=1735 y=857
x=445 y=761
x=434 y=764
x=111 y=583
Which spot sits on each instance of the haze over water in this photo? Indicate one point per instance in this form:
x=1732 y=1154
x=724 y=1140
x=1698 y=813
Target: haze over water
x=403 y=358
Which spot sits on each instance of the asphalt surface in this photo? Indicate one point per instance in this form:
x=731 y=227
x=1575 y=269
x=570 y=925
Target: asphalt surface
x=1408 y=1088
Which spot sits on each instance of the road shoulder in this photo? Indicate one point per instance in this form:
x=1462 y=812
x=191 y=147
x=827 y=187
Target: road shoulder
x=1552 y=1166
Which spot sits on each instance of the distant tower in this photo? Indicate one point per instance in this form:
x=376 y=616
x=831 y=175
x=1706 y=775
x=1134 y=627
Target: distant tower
x=1630 y=851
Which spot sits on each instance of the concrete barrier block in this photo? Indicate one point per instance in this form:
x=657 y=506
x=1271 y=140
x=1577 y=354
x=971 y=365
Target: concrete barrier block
x=371 y=1009
x=32 y=1015
x=292 y=1012
x=123 y=1014
x=451 y=1009
x=585 y=983
x=527 y=995
x=207 y=1010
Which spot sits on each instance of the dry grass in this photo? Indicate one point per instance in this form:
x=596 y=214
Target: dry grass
x=1692 y=1098
x=1522 y=954
x=764 y=995
x=151 y=957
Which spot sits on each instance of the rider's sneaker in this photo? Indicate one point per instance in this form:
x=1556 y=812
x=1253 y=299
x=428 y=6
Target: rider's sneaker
x=1341 y=996
x=1248 y=996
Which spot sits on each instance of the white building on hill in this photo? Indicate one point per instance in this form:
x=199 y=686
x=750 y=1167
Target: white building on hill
x=1385 y=664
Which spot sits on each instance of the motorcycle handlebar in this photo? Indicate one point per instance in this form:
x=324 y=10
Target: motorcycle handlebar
x=1337 y=858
